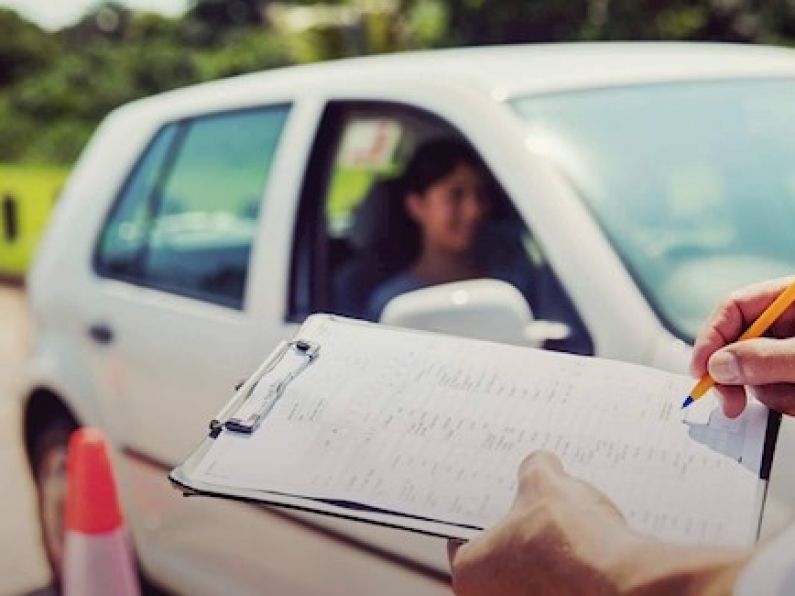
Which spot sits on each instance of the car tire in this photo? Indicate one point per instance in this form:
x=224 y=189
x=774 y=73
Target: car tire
x=49 y=474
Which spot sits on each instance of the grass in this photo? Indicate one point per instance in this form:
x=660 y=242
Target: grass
x=33 y=188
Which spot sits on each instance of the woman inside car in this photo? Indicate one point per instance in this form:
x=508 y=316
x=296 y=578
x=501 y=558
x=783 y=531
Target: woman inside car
x=445 y=197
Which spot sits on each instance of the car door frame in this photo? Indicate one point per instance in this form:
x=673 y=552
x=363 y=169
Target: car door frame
x=271 y=257
x=267 y=298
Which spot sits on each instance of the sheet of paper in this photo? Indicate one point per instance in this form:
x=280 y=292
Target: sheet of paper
x=436 y=427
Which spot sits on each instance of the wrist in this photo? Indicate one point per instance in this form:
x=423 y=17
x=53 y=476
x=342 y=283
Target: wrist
x=654 y=568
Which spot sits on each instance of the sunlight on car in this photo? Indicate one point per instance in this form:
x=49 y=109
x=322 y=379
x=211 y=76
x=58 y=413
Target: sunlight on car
x=677 y=175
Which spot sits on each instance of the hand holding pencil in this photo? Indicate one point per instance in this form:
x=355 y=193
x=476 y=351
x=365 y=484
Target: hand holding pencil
x=734 y=351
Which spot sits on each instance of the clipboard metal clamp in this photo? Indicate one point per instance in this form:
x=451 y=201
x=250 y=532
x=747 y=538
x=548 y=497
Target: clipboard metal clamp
x=261 y=392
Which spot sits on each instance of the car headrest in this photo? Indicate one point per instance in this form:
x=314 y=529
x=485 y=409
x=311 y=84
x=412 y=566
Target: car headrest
x=381 y=217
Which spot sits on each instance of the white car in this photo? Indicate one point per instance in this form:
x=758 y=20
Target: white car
x=637 y=183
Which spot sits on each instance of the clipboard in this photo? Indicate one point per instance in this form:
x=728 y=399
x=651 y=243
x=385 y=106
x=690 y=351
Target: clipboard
x=248 y=408
x=245 y=411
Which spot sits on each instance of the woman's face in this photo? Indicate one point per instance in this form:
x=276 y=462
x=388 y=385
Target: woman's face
x=451 y=210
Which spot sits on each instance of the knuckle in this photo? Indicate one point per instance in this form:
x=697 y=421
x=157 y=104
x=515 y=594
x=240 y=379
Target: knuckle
x=537 y=470
x=760 y=363
x=735 y=297
x=529 y=460
x=750 y=370
x=534 y=518
x=543 y=512
x=466 y=571
x=724 y=311
x=537 y=477
x=544 y=460
x=462 y=562
x=537 y=524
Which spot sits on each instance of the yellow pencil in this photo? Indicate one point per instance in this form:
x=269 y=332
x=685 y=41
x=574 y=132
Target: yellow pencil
x=757 y=328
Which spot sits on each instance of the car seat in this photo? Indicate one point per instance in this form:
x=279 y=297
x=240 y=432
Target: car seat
x=383 y=239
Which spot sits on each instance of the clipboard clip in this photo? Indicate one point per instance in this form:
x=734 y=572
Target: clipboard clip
x=290 y=361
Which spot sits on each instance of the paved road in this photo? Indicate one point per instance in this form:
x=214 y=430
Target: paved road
x=22 y=564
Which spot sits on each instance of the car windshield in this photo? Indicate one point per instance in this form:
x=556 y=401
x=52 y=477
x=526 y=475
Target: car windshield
x=693 y=183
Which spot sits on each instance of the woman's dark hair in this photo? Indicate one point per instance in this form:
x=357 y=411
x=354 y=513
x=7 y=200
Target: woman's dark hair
x=431 y=162
x=436 y=159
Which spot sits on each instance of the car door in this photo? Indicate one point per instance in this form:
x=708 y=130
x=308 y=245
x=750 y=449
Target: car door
x=178 y=323
x=174 y=326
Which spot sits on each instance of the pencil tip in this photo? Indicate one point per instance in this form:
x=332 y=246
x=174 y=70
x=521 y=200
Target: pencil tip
x=688 y=400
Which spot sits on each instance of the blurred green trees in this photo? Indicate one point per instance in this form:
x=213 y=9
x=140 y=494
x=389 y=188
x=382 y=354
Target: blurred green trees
x=56 y=87
x=60 y=85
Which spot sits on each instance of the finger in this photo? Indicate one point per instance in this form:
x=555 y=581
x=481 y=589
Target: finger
x=453 y=544
x=731 y=318
x=779 y=397
x=732 y=399
x=536 y=474
x=754 y=362
x=583 y=493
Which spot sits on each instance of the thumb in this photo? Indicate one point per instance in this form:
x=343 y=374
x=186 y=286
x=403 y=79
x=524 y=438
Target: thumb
x=754 y=362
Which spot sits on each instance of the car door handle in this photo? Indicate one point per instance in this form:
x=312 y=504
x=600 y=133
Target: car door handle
x=101 y=333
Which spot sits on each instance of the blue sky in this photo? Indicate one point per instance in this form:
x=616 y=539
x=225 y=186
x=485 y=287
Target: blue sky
x=54 y=14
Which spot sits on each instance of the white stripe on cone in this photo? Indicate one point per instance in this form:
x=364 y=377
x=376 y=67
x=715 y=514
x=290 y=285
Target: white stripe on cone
x=99 y=565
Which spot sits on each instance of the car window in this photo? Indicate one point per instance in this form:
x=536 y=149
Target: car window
x=203 y=231
x=354 y=237
x=366 y=154
x=125 y=232
x=368 y=150
x=690 y=180
x=199 y=219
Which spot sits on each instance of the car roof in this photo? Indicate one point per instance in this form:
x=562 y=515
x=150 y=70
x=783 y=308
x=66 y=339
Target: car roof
x=534 y=68
x=507 y=71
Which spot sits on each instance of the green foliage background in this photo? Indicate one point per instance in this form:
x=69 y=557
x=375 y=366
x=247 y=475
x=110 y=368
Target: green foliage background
x=56 y=87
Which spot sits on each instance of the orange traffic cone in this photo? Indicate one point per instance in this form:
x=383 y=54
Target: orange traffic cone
x=97 y=556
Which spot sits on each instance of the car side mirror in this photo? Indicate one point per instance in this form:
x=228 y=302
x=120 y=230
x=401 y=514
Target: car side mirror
x=482 y=309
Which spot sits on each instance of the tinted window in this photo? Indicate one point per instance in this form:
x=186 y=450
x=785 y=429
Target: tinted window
x=353 y=232
x=125 y=233
x=202 y=234
x=202 y=213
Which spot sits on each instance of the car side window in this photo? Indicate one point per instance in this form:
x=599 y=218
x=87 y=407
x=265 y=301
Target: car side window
x=200 y=217
x=359 y=155
x=355 y=236
x=125 y=232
